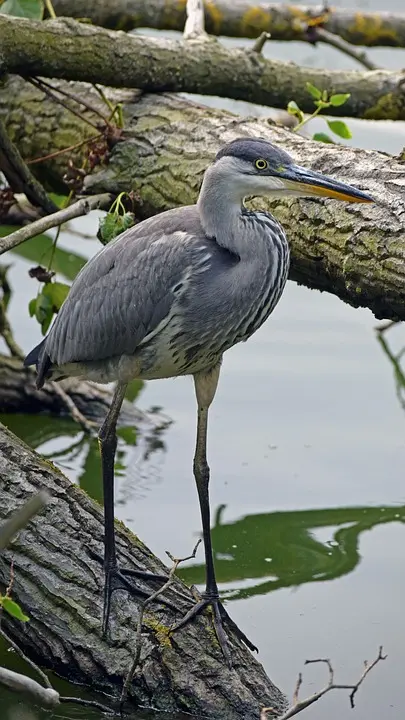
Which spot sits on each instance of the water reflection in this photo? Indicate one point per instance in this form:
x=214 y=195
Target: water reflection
x=395 y=358
x=281 y=549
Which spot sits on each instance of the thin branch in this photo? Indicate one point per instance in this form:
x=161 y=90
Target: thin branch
x=87 y=425
x=19 y=176
x=336 y=41
x=22 y=517
x=300 y=705
x=52 y=155
x=195 y=24
x=26 y=659
x=82 y=207
x=138 y=637
x=88 y=703
x=43 y=88
x=260 y=42
x=76 y=98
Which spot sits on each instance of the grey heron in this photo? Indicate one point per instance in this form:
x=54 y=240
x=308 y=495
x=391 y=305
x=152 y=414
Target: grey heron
x=168 y=297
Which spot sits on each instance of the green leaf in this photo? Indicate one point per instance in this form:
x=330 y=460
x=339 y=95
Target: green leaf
x=325 y=96
x=128 y=434
x=314 y=91
x=339 y=128
x=293 y=109
x=32 y=306
x=323 y=137
x=57 y=293
x=112 y=224
x=13 y=609
x=31 y=9
x=339 y=99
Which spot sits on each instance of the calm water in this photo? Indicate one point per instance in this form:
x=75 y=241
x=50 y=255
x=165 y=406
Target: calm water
x=306 y=446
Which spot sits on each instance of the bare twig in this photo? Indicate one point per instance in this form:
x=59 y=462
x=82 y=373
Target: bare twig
x=19 y=176
x=82 y=207
x=72 y=96
x=52 y=155
x=45 y=89
x=138 y=638
x=195 y=24
x=22 y=517
x=88 y=703
x=300 y=705
x=260 y=42
x=87 y=425
x=337 y=42
x=386 y=325
x=26 y=659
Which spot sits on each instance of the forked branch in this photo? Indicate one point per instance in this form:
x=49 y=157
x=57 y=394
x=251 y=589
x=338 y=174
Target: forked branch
x=300 y=705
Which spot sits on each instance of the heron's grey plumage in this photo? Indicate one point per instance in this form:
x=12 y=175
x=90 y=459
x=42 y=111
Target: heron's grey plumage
x=168 y=298
x=173 y=293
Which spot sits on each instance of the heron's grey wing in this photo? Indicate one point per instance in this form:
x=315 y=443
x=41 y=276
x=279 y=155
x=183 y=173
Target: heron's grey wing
x=120 y=296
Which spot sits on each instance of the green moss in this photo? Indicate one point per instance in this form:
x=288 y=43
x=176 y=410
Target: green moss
x=162 y=632
x=388 y=107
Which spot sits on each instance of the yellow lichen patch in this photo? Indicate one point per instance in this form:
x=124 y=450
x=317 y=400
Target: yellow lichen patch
x=370 y=30
x=161 y=631
x=214 y=17
x=255 y=21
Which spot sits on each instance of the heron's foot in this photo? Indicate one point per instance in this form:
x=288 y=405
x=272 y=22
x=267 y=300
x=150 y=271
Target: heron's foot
x=219 y=618
x=119 y=579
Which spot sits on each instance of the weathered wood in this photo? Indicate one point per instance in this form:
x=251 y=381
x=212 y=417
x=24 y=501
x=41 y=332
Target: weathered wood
x=60 y=587
x=241 y=18
x=356 y=252
x=67 y=49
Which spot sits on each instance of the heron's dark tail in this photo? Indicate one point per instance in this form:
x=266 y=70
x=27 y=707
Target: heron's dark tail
x=40 y=358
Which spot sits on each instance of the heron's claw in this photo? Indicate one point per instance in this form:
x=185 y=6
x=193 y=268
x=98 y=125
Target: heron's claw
x=219 y=617
x=118 y=579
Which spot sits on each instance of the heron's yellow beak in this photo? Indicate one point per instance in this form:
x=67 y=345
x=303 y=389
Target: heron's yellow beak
x=307 y=182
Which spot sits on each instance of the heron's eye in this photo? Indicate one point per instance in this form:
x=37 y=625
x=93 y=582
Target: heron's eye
x=261 y=164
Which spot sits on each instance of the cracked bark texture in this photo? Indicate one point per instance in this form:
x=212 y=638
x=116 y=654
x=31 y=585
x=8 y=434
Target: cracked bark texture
x=60 y=588
x=70 y=50
x=355 y=251
x=241 y=18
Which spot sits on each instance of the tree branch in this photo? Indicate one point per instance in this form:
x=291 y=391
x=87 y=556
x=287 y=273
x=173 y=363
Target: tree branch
x=337 y=42
x=241 y=18
x=153 y=64
x=19 y=177
x=300 y=705
x=82 y=207
x=356 y=252
x=194 y=26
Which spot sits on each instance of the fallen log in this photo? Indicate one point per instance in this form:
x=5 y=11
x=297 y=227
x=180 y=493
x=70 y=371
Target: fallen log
x=59 y=586
x=19 y=394
x=356 y=252
x=242 y=18
x=205 y=66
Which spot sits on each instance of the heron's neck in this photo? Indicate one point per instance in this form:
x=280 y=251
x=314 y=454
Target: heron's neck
x=220 y=205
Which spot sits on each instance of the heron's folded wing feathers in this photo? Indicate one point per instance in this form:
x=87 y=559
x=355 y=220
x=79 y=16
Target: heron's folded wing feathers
x=119 y=297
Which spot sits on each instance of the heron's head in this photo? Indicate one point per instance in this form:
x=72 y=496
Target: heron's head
x=256 y=167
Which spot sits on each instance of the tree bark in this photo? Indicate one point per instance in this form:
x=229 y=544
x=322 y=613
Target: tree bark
x=59 y=586
x=241 y=18
x=75 y=51
x=356 y=252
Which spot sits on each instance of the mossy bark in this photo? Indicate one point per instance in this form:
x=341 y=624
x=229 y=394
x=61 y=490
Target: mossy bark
x=59 y=586
x=240 y=19
x=76 y=51
x=356 y=252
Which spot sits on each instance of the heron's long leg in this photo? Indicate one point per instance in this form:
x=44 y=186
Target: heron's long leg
x=205 y=386
x=115 y=579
